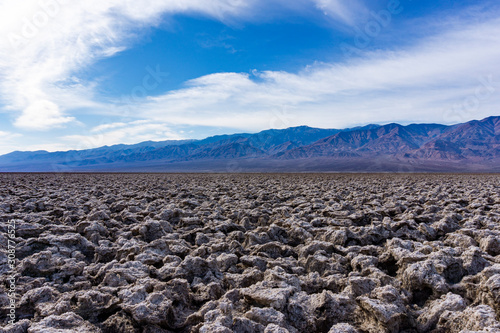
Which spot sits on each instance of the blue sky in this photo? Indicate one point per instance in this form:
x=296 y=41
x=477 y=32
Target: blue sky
x=79 y=76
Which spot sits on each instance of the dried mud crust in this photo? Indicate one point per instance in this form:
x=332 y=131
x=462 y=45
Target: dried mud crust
x=252 y=253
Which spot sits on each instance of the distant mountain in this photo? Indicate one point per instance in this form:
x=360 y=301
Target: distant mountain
x=391 y=139
x=475 y=140
x=471 y=147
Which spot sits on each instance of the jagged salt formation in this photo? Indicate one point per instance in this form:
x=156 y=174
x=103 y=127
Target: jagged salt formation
x=253 y=253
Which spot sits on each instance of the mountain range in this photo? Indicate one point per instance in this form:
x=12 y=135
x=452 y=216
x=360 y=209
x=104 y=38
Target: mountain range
x=473 y=146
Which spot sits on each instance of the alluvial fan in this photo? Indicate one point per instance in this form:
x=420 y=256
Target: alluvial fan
x=250 y=253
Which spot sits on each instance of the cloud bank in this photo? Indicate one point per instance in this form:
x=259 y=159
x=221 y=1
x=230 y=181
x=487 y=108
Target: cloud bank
x=46 y=43
x=449 y=78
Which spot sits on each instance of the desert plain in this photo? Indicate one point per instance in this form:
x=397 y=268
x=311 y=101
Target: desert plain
x=270 y=253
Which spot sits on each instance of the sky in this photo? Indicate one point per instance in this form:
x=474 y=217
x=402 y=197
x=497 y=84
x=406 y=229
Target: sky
x=80 y=75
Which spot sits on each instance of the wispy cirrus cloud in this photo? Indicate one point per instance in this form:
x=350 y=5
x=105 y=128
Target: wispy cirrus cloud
x=44 y=45
x=347 y=11
x=436 y=79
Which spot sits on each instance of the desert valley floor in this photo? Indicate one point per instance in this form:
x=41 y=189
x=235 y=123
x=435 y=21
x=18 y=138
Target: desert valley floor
x=251 y=252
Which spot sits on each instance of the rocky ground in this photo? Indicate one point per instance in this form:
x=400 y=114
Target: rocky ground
x=252 y=253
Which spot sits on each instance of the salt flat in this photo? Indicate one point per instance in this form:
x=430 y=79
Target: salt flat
x=252 y=252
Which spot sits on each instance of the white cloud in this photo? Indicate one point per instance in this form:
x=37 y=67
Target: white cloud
x=7 y=140
x=42 y=114
x=347 y=11
x=105 y=127
x=436 y=80
x=43 y=44
x=5 y=136
x=122 y=133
